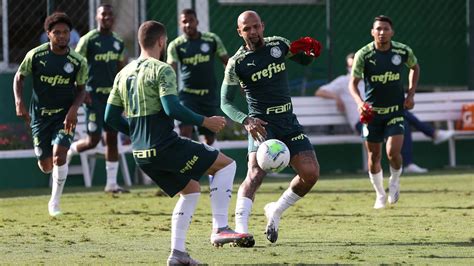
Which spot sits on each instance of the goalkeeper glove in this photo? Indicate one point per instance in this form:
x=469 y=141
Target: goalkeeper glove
x=367 y=114
x=308 y=45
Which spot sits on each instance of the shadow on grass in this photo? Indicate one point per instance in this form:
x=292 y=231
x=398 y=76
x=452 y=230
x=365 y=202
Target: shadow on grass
x=375 y=244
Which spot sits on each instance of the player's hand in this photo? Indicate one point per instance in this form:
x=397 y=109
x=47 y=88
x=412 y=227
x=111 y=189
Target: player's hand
x=255 y=127
x=307 y=45
x=409 y=102
x=214 y=123
x=366 y=113
x=70 y=121
x=22 y=112
x=87 y=98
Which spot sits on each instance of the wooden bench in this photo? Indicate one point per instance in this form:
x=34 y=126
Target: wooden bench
x=441 y=107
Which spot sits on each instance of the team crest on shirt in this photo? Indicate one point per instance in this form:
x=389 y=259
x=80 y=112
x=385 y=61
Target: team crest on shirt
x=205 y=47
x=275 y=52
x=117 y=45
x=68 y=67
x=396 y=59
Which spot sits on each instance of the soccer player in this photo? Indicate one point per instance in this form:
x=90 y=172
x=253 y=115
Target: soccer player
x=259 y=68
x=338 y=90
x=59 y=75
x=195 y=52
x=146 y=90
x=380 y=64
x=104 y=51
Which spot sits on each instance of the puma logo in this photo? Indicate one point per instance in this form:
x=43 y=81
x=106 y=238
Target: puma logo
x=252 y=63
x=182 y=50
x=372 y=61
x=98 y=44
x=43 y=63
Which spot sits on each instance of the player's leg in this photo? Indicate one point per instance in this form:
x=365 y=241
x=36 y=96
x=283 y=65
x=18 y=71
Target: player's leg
x=374 y=157
x=111 y=162
x=186 y=131
x=221 y=183
x=306 y=165
x=93 y=129
x=393 y=149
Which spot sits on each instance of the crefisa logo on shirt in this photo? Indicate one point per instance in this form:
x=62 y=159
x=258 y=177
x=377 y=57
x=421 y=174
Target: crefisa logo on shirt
x=205 y=47
x=275 y=52
x=396 y=59
x=117 y=45
x=68 y=67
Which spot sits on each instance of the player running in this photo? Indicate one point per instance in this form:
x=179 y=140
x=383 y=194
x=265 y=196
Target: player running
x=59 y=75
x=380 y=64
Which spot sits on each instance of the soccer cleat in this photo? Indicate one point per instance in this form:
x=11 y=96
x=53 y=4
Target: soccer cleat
x=226 y=235
x=53 y=209
x=414 y=169
x=380 y=201
x=181 y=258
x=393 y=191
x=442 y=136
x=271 y=229
x=115 y=189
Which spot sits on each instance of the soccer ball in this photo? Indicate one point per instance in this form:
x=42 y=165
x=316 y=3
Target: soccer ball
x=273 y=156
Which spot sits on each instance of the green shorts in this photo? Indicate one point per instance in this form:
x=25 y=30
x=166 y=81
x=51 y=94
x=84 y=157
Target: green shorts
x=95 y=114
x=202 y=110
x=173 y=167
x=289 y=131
x=383 y=126
x=48 y=130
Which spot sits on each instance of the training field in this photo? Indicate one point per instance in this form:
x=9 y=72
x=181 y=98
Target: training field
x=431 y=224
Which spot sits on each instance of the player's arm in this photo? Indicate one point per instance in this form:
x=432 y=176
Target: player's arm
x=113 y=117
x=221 y=51
x=413 y=77
x=70 y=120
x=20 y=108
x=172 y=56
x=224 y=59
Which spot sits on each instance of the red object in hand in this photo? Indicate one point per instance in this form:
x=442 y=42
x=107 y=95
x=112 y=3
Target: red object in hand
x=367 y=114
x=308 y=45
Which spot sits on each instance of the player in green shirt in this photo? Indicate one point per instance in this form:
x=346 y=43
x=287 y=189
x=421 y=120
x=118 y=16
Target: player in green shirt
x=259 y=69
x=145 y=90
x=380 y=64
x=195 y=52
x=59 y=75
x=104 y=51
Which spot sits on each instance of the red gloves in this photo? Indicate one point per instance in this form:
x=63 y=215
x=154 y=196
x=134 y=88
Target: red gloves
x=367 y=114
x=308 y=45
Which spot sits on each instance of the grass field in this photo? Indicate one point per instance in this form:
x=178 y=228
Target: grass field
x=431 y=224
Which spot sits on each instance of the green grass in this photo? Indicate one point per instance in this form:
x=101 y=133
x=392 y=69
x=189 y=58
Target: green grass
x=431 y=224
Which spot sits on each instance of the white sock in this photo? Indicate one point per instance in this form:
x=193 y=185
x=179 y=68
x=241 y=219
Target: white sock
x=112 y=169
x=59 y=176
x=181 y=219
x=221 y=192
x=73 y=148
x=287 y=199
x=377 y=182
x=395 y=173
x=243 y=208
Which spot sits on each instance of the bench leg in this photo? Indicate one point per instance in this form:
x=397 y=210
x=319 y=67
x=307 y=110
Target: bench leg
x=86 y=172
x=451 y=146
x=125 y=171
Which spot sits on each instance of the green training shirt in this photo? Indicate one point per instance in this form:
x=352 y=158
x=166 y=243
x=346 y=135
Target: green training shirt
x=196 y=58
x=138 y=88
x=103 y=53
x=54 y=77
x=381 y=71
x=263 y=77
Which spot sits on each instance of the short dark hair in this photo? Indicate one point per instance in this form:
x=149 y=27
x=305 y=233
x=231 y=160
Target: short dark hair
x=149 y=32
x=383 y=18
x=55 y=18
x=188 y=11
x=105 y=5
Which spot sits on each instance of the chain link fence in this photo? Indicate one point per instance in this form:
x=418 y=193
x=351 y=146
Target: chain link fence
x=437 y=31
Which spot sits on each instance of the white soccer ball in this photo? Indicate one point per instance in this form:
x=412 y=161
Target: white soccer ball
x=273 y=156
